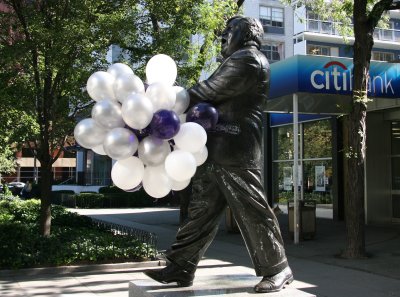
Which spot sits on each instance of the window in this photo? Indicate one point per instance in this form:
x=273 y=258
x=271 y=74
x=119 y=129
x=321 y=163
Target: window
x=382 y=56
x=272 y=52
x=271 y=16
x=318 y=25
x=318 y=50
x=315 y=168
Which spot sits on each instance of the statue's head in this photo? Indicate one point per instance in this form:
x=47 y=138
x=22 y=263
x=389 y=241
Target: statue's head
x=239 y=32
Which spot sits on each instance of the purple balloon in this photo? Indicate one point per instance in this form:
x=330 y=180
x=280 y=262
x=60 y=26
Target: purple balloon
x=203 y=114
x=140 y=133
x=165 y=124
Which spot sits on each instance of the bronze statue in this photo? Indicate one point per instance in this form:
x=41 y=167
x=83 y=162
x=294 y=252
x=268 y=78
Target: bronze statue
x=232 y=173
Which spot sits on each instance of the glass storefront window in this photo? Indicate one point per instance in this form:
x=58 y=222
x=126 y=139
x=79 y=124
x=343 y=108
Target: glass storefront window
x=316 y=162
x=317 y=139
x=284 y=141
x=98 y=169
x=317 y=177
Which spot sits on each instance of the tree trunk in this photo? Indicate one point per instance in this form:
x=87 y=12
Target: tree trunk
x=356 y=140
x=45 y=206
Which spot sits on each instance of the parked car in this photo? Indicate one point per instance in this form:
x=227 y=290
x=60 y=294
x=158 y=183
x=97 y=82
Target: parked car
x=15 y=187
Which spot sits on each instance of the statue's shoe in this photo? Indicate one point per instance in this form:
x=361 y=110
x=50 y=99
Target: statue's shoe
x=275 y=283
x=172 y=273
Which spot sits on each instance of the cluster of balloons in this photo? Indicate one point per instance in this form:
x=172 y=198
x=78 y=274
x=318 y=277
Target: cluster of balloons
x=145 y=129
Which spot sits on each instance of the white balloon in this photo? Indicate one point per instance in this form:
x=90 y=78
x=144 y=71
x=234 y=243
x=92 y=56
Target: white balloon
x=182 y=100
x=98 y=149
x=107 y=113
x=100 y=86
x=126 y=84
x=137 y=111
x=179 y=185
x=153 y=151
x=180 y=165
x=161 y=68
x=161 y=95
x=191 y=137
x=120 y=143
x=128 y=173
x=156 y=182
x=89 y=134
x=201 y=156
x=118 y=69
x=182 y=118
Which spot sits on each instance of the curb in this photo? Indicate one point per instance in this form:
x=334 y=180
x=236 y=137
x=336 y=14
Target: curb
x=80 y=268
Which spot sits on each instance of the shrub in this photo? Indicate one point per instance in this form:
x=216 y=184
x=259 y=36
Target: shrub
x=89 y=200
x=110 y=189
x=74 y=239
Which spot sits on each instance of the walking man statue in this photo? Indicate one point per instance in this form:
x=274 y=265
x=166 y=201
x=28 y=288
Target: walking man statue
x=232 y=173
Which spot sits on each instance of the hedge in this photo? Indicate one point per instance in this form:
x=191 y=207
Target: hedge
x=110 y=197
x=74 y=239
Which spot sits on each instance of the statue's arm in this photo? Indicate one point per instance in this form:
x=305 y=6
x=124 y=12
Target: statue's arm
x=234 y=77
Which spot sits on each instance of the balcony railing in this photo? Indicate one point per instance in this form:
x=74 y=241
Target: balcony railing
x=330 y=28
x=387 y=35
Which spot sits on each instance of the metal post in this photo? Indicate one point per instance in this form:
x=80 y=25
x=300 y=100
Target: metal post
x=296 y=217
x=35 y=168
x=301 y=154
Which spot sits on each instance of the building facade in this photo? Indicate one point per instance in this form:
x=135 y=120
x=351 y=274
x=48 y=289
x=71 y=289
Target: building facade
x=300 y=33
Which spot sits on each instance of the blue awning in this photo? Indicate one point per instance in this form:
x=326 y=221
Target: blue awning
x=324 y=84
x=331 y=75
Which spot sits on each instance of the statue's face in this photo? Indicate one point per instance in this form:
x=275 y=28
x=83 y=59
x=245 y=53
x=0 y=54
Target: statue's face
x=232 y=38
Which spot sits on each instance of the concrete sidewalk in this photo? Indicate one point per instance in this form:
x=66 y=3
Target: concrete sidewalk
x=316 y=269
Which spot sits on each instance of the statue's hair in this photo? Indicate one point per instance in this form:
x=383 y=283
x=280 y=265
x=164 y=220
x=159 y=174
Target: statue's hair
x=253 y=30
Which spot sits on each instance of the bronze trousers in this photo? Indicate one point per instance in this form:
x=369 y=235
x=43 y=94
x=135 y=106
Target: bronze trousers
x=214 y=187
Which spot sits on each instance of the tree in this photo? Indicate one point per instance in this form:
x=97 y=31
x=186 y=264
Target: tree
x=50 y=48
x=13 y=127
x=365 y=16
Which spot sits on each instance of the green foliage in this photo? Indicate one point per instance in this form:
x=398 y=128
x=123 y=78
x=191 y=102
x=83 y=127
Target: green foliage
x=110 y=189
x=319 y=198
x=49 y=49
x=341 y=12
x=74 y=239
x=185 y=30
x=89 y=200
x=107 y=197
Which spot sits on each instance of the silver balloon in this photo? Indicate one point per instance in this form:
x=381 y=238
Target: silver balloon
x=98 y=149
x=153 y=151
x=126 y=84
x=120 y=143
x=100 y=86
x=118 y=69
x=182 y=100
x=161 y=95
x=89 y=134
x=107 y=113
x=137 y=111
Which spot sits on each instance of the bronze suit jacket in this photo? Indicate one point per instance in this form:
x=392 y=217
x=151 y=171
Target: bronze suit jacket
x=238 y=90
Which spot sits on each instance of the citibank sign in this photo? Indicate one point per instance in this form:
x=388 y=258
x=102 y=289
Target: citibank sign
x=338 y=77
x=331 y=75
